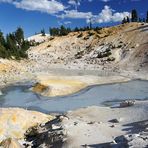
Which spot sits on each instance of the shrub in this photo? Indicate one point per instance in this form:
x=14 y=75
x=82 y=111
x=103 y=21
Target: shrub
x=90 y=33
x=80 y=35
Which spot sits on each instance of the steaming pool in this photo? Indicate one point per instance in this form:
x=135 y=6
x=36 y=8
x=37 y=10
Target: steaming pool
x=19 y=95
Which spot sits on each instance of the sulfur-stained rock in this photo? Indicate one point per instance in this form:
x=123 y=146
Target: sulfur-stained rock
x=14 y=122
x=39 y=88
x=58 y=86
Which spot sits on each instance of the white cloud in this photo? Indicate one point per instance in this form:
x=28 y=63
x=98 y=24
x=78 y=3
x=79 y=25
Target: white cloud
x=105 y=16
x=47 y=6
x=75 y=3
x=54 y=7
x=100 y=0
x=109 y=15
x=6 y=1
x=67 y=22
x=72 y=2
x=74 y=14
x=105 y=0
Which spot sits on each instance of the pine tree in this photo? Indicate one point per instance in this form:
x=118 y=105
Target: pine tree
x=54 y=31
x=147 y=17
x=76 y=29
x=19 y=36
x=127 y=19
x=134 y=16
x=68 y=30
x=140 y=20
x=143 y=20
x=43 y=32
x=3 y=52
x=2 y=39
x=90 y=23
x=63 y=30
x=124 y=20
x=11 y=42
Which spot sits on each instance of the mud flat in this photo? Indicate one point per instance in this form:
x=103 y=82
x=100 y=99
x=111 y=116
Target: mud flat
x=102 y=126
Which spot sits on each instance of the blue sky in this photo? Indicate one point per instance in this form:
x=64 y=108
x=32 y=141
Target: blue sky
x=33 y=15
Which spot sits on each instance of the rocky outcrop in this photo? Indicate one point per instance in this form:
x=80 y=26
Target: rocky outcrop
x=14 y=122
x=40 y=88
x=138 y=139
x=127 y=103
x=49 y=135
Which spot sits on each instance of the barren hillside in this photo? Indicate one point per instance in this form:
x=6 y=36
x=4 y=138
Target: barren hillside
x=123 y=46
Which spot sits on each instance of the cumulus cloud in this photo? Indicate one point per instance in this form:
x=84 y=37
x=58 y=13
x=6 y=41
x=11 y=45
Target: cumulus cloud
x=47 y=6
x=105 y=16
x=54 y=7
x=109 y=15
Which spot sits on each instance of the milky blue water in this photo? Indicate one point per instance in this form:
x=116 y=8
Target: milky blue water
x=20 y=96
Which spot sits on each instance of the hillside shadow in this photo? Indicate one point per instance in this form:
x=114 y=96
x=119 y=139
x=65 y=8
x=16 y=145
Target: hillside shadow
x=106 y=145
x=144 y=30
x=141 y=28
x=136 y=127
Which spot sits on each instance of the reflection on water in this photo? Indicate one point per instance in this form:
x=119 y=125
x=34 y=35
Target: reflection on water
x=20 y=96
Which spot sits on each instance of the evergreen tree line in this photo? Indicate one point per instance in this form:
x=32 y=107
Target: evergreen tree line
x=64 y=31
x=14 y=45
x=135 y=18
x=59 y=31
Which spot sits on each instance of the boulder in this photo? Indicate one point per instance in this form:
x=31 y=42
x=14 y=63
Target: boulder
x=127 y=103
x=114 y=121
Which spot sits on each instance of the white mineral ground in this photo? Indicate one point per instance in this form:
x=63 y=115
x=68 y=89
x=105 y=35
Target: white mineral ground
x=91 y=125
